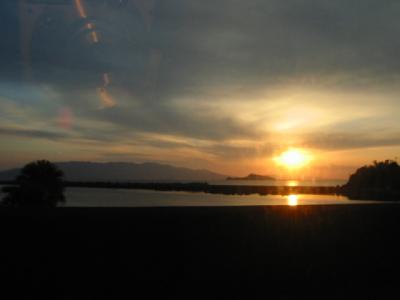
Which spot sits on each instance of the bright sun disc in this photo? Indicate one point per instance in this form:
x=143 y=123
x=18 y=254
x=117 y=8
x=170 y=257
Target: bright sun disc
x=293 y=158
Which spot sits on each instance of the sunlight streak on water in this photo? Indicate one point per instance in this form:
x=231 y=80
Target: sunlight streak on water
x=293 y=200
x=98 y=197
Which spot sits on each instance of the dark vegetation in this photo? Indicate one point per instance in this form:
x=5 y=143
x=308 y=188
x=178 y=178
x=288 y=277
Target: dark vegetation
x=40 y=184
x=379 y=181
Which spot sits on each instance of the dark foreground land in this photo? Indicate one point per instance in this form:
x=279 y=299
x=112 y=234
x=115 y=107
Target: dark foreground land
x=329 y=252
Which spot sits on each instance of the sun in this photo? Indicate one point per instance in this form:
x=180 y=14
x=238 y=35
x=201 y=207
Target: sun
x=293 y=159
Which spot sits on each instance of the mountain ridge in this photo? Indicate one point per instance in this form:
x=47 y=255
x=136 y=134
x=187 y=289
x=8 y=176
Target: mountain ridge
x=124 y=171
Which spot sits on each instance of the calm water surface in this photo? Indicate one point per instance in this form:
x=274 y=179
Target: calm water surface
x=98 y=197
x=101 y=197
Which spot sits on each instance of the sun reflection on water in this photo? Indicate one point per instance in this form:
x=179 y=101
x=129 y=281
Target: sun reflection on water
x=293 y=200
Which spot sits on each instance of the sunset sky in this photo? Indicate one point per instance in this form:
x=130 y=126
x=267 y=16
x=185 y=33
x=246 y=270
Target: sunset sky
x=226 y=85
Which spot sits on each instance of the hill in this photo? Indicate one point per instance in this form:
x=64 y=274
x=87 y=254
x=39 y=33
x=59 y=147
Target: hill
x=124 y=172
x=378 y=181
x=252 y=177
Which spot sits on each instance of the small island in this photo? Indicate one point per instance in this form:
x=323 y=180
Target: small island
x=252 y=177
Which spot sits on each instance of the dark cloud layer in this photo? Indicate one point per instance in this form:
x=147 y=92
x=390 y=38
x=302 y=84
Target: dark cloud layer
x=257 y=42
x=26 y=133
x=212 y=43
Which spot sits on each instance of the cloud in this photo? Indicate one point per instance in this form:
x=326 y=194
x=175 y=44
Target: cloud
x=26 y=133
x=346 y=141
x=211 y=44
x=235 y=152
x=220 y=77
x=260 y=43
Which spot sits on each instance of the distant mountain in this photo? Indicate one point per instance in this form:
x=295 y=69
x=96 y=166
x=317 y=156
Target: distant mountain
x=252 y=177
x=124 y=172
x=9 y=174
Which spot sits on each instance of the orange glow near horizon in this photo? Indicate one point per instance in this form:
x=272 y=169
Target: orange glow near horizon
x=293 y=159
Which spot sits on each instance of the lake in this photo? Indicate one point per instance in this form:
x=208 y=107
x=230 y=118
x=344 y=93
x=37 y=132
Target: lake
x=100 y=197
x=103 y=197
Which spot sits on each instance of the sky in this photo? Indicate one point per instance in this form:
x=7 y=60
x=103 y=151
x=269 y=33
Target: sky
x=226 y=85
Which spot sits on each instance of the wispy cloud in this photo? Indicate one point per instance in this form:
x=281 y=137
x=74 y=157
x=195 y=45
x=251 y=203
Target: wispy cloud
x=216 y=81
x=345 y=141
x=27 y=133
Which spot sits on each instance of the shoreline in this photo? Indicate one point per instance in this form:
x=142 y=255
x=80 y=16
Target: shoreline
x=220 y=189
x=216 y=189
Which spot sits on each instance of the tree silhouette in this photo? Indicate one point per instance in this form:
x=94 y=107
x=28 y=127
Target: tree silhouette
x=40 y=183
x=380 y=180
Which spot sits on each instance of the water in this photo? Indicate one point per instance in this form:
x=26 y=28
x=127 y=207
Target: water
x=281 y=182
x=99 y=197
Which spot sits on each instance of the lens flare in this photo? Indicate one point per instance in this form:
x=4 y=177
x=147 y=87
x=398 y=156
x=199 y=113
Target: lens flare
x=81 y=9
x=107 y=101
x=65 y=118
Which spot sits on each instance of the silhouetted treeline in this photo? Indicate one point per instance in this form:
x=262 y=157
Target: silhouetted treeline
x=40 y=183
x=380 y=181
